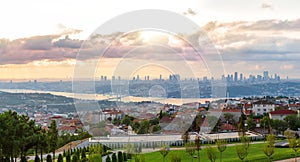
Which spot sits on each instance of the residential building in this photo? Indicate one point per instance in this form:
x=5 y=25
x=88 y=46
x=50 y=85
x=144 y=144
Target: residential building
x=281 y=114
x=262 y=107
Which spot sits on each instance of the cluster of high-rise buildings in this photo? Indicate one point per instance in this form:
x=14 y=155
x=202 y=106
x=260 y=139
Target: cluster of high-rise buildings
x=235 y=77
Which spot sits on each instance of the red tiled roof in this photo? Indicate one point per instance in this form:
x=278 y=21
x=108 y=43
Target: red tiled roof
x=227 y=127
x=68 y=128
x=294 y=105
x=260 y=102
x=246 y=105
x=283 y=112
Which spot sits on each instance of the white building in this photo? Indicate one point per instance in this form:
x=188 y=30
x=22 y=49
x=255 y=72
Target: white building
x=262 y=107
x=281 y=114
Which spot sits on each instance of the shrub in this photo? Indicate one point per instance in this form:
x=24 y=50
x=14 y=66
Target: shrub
x=75 y=158
x=60 y=158
x=120 y=156
x=108 y=158
x=95 y=158
x=139 y=158
x=49 y=158
x=37 y=159
x=175 y=157
x=124 y=157
x=114 y=157
x=68 y=157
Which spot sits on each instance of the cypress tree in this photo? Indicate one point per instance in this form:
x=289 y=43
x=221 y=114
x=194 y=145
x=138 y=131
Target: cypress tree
x=120 y=156
x=74 y=158
x=124 y=156
x=68 y=157
x=107 y=159
x=49 y=158
x=37 y=159
x=114 y=157
x=60 y=158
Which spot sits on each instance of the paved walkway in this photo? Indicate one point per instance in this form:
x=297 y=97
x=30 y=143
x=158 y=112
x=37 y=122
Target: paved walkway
x=289 y=160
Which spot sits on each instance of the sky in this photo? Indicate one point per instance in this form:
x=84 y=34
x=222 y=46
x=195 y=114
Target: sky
x=41 y=39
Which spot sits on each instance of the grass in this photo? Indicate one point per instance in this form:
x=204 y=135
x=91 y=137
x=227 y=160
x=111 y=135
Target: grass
x=229 y=155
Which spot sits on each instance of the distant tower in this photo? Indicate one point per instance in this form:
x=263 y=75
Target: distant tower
x=235 y=76
x=160 y=77
x=266 y=75
x=241 y=77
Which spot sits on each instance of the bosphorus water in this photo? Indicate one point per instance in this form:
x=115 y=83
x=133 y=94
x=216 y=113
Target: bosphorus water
x=174 y=101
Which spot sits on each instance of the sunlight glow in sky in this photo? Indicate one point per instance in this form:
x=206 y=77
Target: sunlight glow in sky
x=266 y=30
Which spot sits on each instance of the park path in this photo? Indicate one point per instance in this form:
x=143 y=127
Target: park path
x=288 y=160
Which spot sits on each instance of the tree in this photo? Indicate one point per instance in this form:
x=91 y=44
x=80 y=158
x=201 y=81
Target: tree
x=269 y=149
x=229 y=118
x=222 y=145
x=211 y=153
x=185 y=137
x=75 y=158
x=53 y=137
x=68 y=157
x=164 y=151
x=198 y=146
x=175 y=157
x=251 y=124
x=293 y=121
x=139 y=158
x=43 y=143
x=126 y=120
x=124 y=156
x=294 y=142
x=242 y=149
x=114 y=157
x=36 y=159
x=144 y=127
x=49 y=158
x=279 y=125
x=83 y=154
x=120 y=156
x=108 y=159
x=160 y=114
x=156 y=128
x=190 y=149
x=60 y=158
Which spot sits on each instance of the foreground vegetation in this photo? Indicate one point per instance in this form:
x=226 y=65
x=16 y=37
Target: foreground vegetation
x=19 y=136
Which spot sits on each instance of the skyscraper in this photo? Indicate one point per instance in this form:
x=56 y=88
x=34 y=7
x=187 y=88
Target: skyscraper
x=235 y=76
x=266 y=75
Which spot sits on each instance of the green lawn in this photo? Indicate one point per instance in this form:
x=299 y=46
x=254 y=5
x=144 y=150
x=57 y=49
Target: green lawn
x=229 y=155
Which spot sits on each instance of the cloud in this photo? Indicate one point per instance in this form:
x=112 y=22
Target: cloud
x=266 y=6
x=190 y=12
x=68 y=43
x=39 y=42
x=67 y=31
x=253 y=43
